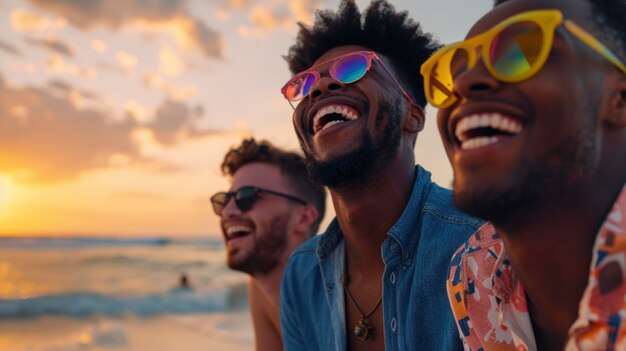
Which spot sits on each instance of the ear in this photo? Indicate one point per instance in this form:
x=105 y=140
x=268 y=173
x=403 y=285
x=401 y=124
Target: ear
x=617 y=103
x=414 y=123
x=305 y=218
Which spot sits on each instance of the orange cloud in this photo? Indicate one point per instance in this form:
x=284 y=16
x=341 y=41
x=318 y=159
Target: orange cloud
x=52 y=44
x=170 y=16
x=24 y=21
x=278 y=14
x=173 y=90
x=56 y=64
x=99 y=46
x=170 y=63
x=48 y=137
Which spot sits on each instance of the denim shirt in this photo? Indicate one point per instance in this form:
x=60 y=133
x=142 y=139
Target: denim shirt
x=416 y=254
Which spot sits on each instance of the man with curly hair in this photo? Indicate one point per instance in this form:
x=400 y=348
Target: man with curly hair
x=270 y=209
x=375 y=280
x=533 y=119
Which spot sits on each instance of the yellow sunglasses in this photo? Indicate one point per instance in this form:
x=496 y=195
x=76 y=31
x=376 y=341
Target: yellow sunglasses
x=512 y=51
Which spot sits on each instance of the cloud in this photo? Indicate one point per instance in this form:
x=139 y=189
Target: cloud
x=10 y=49
x=170 y=63
x=98 y=45
x=127 y=63
x=51 y=139
x=56 y=64
x=45 y=137
x=174 y=121
x=175 y=91
x=24 y=21
x=166 y=15
x=264 y=17
x=52 y=44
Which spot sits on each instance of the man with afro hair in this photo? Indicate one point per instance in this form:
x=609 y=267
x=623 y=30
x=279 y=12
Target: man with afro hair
x=375 y=280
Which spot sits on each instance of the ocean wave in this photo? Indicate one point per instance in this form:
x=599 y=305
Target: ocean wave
x=140 y=262
x=83 y=242
x=175 y=301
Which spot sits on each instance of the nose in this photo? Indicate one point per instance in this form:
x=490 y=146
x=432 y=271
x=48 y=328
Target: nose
x=475 y=81
x=325 y=85
x=230 y=209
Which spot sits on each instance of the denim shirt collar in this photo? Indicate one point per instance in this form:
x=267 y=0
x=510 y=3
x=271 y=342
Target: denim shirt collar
x=403 y=231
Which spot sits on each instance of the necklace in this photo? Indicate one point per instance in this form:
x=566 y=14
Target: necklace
x=362 y=330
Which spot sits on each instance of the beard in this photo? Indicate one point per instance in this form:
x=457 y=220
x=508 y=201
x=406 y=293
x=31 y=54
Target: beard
x=537 y=180
x=267 y=250
x=355 y=167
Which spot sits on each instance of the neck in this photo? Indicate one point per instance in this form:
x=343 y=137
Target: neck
x=367 y=212
x=269 y=283
x=542 y=239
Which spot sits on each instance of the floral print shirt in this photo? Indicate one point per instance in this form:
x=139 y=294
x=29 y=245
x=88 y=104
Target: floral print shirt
x=489 y=303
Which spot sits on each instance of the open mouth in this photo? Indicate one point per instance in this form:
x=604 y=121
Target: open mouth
x=331 y=115
x=479 y=130
x=236 y=232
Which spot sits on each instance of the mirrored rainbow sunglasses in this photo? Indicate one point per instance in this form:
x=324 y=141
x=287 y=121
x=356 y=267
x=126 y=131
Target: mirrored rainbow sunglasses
x=512 y=51
x=346 y=69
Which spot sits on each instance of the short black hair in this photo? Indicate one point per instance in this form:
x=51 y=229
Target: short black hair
x=384 y=30
x=290 y=164
x=610 y=18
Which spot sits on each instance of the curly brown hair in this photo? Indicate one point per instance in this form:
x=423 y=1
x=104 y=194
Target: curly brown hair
x=290 y=164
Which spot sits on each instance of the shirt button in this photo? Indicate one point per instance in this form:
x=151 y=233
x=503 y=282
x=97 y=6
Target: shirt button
x=392 y=277
x=393 y=324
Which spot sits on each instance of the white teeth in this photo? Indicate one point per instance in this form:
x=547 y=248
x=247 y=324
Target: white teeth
x=492 y=120
x=331 y=123
x=478 y=142
x=346 y=111
x=237 y=229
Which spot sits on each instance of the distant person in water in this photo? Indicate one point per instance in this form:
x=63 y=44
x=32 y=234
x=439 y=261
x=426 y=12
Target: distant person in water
x=184 y=282
x=274 y=209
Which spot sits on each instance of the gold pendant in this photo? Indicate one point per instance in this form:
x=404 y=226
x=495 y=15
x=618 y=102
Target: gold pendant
x=362 y=330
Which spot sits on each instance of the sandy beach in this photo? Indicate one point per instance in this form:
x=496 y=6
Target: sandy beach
x=214 y=331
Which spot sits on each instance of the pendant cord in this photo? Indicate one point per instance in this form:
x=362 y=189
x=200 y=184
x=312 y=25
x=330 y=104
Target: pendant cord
x=363 y=315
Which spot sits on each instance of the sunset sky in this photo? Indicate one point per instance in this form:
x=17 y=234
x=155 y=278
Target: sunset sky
x=115 y=115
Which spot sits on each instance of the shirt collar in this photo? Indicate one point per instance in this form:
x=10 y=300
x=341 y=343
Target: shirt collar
x=406 y=229
x=403 y=231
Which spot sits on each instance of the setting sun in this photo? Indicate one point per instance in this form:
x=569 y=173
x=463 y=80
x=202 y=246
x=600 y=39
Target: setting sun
x=4 y=191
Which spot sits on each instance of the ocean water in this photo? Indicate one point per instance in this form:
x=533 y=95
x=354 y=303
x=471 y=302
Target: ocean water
x=95 y=279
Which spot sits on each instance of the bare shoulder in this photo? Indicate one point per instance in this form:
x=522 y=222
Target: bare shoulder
x=265 y=319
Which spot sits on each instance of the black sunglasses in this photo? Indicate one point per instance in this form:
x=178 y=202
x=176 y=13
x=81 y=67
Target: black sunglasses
x=245 y=198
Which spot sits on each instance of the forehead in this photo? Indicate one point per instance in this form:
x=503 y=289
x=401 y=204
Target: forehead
x=575 y=10
x=338 y=51
x=262 y=175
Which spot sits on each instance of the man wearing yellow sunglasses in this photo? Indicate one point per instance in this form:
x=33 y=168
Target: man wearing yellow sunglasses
x=533 y=119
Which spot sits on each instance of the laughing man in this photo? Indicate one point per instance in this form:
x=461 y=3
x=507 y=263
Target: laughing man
x=375 y=280
x=533 y=118
x=271 y=208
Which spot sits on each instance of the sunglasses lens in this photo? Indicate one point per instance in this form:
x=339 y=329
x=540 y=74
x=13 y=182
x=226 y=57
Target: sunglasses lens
x=515 y=50
x=218 y=201
x=350 y=69
x=299 y=86
x=440 y=78
x=245 y=198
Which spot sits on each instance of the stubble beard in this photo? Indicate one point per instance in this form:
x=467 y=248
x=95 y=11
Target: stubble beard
x=354 y=168
x=267 y=250
x=562 y=166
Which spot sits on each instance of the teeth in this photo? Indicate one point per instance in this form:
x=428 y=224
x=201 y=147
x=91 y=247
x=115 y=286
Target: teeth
x=331 y=123
x=492 y=120
x=478 y=142
x=237 y=229
x=347 y=112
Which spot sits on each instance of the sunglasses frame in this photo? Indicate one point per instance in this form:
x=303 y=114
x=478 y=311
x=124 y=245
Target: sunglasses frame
x=547 y=20
x=369 y=56
x=255 y=191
